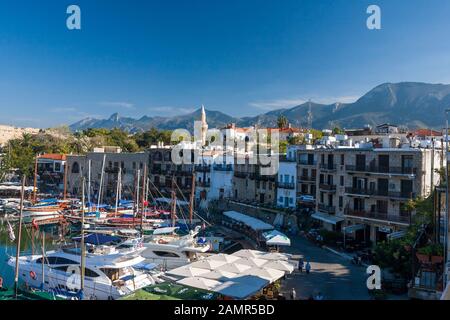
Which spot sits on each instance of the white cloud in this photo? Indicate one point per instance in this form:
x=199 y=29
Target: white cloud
x=115 y=104
x=289 y=103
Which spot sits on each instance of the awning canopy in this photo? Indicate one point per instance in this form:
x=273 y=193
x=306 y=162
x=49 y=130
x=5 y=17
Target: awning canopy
x=353 y=228
x=200 y=283
x=251 y=222
x=396 y=235
x=327 y=218
x=276 y=238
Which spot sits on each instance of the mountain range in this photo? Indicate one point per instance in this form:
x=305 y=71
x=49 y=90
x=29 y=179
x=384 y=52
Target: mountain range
x=411 y=104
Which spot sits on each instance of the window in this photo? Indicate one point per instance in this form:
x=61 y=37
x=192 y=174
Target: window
x=342 y=159
x=291 y=201
x=281 y=199
x=57 y=260
x=75 y=167
x=341 y=181
x=57 y=167
x=166 y=254
x=341 y=202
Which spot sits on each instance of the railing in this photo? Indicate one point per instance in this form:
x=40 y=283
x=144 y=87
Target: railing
x=241 y=175
x=307 y=163
x=286 y=159
x=327 y=166
x=327 y=209
x=200 y=168
x=382 y=169
x=222 y=167
x=327 y=187
x=204 y=184
x=381 y=193
x=286 y=185
x=378 y=216
x=307 y=178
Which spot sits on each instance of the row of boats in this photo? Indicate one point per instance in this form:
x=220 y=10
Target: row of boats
x=120 y=249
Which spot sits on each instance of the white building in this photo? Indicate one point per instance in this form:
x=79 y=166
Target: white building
x=287 y=179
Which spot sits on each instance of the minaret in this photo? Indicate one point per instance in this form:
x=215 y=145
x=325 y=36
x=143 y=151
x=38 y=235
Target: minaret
x=204 y=126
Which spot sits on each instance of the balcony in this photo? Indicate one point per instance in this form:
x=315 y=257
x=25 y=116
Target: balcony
x=328 y=166
x=241 y=175
x=307 y=163
x=286 y=185
x=200 y=168
x=287 y=159
x=327 y=187
x=223 y=167
x=382 y=170
x=378 y=216
x=381 y=193
x=307 y=178
x=204 y=184
x=327 y=209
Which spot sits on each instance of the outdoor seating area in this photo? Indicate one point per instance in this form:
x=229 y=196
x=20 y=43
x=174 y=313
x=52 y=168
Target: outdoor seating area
x=242 y=275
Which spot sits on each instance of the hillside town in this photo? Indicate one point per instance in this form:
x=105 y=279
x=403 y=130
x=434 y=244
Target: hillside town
x=337 y=200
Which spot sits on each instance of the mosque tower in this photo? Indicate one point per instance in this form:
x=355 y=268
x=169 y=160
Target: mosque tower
x=204 y=129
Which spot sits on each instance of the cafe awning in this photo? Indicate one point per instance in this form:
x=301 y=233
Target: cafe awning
x=326 y=218
x=353 y=228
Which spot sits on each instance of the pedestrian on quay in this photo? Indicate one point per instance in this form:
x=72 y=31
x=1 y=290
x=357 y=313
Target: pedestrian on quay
x=308 y=267
x=293 y=294
x=300 y=265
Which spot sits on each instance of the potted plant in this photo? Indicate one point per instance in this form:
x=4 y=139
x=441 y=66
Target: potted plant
x=423 y=254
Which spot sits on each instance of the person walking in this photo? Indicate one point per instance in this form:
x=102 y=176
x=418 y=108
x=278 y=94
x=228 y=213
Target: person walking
x=293 y=294
x=308 y=267
x=300 y=265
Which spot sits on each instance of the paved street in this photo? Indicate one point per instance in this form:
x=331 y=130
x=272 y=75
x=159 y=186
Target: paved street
x=334 y=276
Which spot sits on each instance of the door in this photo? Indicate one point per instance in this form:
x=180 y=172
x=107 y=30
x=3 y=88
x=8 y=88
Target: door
x=360 y=162
x=383 y=187
x=383 y=163
x=406 y=189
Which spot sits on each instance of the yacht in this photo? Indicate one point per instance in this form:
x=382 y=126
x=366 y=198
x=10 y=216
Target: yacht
x=169 y=251
x=108 y=276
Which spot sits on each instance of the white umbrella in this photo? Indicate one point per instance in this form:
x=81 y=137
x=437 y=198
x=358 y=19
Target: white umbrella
x=280 y=265
x=268 y=274
x=276 y=238
x=187 y=271
x=247 y=253
x=200 y=283
x=234 y=267
x=228 y=258
x=208 y=264
x=219 y=275
x=252 y=262
x=276 y=256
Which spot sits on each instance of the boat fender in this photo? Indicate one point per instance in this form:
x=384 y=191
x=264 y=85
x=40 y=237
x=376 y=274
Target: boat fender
x=33 y=275
x=1 y=282
x=34 y=224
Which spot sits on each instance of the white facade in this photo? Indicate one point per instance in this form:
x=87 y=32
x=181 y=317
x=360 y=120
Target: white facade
x=287 y=180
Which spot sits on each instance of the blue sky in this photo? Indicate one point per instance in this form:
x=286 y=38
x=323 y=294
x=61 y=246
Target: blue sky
x=167 y=57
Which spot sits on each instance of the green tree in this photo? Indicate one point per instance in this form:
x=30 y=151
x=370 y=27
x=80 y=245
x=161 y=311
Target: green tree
x=282 y=122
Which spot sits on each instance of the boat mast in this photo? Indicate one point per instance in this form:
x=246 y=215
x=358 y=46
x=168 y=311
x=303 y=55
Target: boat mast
x=35 y=179
x=19 y=236
x=174 y=203
x=137 y=190
x=119 y=177
x=89 y=184
x=143 y=197
x=65 y=181
x=191 y=202
x=100 y=189
x=43 y=258
x=82 y=239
